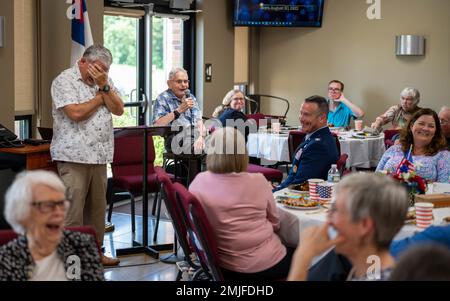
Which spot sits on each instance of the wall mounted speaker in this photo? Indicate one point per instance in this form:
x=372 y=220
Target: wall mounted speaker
x=409 y=45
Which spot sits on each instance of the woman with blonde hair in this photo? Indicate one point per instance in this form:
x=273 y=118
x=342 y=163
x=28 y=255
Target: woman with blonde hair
x=242 y=211
x=231 y=107
x=229 y=113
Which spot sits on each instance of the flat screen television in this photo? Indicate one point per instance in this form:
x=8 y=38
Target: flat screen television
x=278 y=13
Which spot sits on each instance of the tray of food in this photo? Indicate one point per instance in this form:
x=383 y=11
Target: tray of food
x=298 y=203
x=364 y=135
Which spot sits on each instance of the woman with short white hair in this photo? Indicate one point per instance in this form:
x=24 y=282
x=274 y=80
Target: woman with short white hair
x=369 y=211
x=35 y=207
x=400 y=114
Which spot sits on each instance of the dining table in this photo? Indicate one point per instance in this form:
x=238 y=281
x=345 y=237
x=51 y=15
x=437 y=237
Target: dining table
x=364 y=151
x=294 y=221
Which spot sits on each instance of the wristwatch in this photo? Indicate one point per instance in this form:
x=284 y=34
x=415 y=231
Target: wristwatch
x=176 y=114
x=106 y=88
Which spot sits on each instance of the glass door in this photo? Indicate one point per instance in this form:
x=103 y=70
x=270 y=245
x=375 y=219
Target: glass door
x=167 y=52
x=121 y=37
x=144 y=52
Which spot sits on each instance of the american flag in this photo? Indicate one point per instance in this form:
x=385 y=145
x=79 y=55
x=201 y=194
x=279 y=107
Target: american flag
x=81 y=30
x=406 y=165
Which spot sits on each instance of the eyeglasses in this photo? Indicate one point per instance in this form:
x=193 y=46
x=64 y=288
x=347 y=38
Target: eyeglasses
x=444 y=122
x=180 y=81
x=49 y=206
x=407 y=98
x=238 y=99
x=334 y=89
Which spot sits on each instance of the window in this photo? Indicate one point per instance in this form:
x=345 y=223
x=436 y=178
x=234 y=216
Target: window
x=22 y=127
x=167 y=50
x=139 y=71
x=121 y=36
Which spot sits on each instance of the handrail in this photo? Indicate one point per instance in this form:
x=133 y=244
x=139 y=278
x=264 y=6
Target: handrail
x=253 y=101
x=270 y=96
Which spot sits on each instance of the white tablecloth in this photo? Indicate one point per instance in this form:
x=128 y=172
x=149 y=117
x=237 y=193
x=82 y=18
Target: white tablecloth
x=363 y=153
x=294 y=222
x=272 y=147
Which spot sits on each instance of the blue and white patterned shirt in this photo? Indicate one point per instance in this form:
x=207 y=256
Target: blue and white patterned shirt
x=167 y=102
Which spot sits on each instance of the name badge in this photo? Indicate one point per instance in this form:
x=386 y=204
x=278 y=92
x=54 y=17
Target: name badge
x=298 y=154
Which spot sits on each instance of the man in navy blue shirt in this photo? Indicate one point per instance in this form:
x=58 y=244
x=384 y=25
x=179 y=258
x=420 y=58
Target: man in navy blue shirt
x=314 y=156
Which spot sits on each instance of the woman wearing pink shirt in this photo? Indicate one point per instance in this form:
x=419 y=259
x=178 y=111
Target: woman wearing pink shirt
x=242 y=211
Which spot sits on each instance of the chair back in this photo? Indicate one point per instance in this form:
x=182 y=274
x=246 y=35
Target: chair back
x=257 y=117
x=128 y=153
x=294 y=140
x=388 y=135
x=8 y=235
x=338 y=144
x=175 y=212
x=341 y=162
x=200 y=232
x=46 y=133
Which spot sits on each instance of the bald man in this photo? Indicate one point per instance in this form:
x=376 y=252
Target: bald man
x=444 y=118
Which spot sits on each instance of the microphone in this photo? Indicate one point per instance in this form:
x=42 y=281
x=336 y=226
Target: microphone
x=187 y=94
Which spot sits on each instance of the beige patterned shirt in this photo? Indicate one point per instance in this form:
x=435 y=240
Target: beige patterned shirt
x=397 y=116
x=89 y=141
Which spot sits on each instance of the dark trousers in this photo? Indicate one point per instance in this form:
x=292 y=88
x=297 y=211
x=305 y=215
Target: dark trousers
x=279 y=271
x=332 y=267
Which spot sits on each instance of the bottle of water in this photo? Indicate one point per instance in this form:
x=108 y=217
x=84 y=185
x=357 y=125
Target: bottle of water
x=333 y=174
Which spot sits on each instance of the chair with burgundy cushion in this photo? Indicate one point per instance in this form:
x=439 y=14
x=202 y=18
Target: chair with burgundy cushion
x=341 y=162
x=127 y=168
x=8 y=235
x=200 y=232
x=257 y=117
x=388 y=135
x=176 y=215
x=294 y=140
x=271 y=174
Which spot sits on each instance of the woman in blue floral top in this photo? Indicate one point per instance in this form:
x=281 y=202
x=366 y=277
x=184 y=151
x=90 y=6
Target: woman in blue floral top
x=429 y=149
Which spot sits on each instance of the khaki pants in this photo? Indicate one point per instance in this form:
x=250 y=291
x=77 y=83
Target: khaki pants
x=86 y=190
